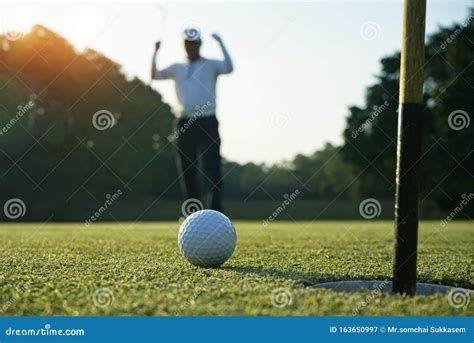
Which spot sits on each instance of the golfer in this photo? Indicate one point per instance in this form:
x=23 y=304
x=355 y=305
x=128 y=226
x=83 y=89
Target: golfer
x=198 y=141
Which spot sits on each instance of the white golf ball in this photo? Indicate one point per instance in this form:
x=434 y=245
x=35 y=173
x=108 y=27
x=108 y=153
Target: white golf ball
x=207 y=238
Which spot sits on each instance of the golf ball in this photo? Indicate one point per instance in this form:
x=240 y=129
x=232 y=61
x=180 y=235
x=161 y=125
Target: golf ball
x=207 y=238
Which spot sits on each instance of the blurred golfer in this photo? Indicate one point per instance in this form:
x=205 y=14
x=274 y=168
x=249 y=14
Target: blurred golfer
x=197 y=129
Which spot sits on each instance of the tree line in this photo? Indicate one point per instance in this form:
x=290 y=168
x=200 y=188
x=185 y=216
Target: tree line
x=74 y=128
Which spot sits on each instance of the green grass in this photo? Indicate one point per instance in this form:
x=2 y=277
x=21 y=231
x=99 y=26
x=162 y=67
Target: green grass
x=54 y=269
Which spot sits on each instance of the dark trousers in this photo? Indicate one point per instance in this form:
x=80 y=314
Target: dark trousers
x=199 y=141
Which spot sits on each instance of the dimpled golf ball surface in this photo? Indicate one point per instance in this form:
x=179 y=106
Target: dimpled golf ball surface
x=207 y=238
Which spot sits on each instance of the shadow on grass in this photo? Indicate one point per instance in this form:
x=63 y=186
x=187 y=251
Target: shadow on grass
x=313 y=278
x=306 y=279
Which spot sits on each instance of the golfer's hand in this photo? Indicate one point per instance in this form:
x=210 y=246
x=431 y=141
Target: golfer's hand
x=157 y=46
x=217 y=37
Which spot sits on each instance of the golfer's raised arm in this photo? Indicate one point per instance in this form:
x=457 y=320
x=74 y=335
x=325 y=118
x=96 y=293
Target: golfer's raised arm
x=159 y=74
x=225 y=66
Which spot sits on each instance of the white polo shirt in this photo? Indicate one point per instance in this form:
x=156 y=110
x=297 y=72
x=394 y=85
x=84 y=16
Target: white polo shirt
x=196 y=84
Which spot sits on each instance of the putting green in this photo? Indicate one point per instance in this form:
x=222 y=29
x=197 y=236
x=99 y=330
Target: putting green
x=136 y=269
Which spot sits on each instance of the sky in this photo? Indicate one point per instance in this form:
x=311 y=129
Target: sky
x=298 y=65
